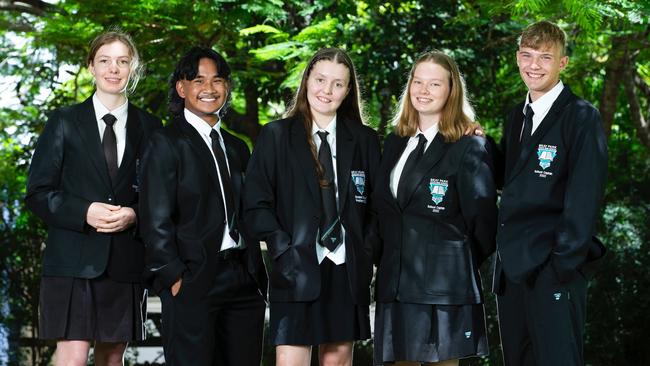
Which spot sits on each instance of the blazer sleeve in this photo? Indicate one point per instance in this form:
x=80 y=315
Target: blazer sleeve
x=371 y=235
x=149 y=124
x=163 y=265
x=45 y=197
x=260 y=197
x=587 y=177
x=477 y=196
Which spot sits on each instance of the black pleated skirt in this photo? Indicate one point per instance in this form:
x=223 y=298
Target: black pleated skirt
x=98 y=309
x=428 y=333
x=333 y=317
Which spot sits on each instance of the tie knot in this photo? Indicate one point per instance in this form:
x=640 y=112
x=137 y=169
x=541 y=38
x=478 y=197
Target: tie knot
x=109 y=119
x=421 y=139
x=529 y=111
x=322 y=135
x=214 y=135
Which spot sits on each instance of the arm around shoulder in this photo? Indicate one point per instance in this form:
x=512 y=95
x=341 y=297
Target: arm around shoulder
x=477 y=195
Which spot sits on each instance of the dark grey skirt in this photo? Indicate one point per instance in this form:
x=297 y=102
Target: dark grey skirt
x=98 y=309
x=333 y=317
x=428 y=333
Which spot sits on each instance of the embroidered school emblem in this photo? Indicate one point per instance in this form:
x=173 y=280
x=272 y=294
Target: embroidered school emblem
x=546 y=154
x=438 y=189
x=359 y=180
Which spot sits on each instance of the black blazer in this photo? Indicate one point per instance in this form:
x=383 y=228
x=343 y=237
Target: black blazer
x=553 y=189
x=181 y=209
x=283 y=206
x=433 y=246
x=68 y=172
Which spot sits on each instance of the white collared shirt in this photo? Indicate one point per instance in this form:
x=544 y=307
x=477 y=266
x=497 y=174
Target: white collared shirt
x=121 y=113
x=338 y=255
x=542 y=105
x=412 y=143
x=204 y=130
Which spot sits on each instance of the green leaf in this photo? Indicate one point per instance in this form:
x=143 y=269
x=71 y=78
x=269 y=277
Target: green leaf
x=260 y=28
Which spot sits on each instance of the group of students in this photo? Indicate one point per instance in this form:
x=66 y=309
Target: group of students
x=188 y=205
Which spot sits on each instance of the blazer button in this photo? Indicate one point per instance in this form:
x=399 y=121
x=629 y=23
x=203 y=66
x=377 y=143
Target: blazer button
x=502 y=225
x=110 y=198
x=316 y=219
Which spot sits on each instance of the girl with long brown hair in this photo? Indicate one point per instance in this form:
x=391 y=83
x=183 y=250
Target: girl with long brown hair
x=307 y=195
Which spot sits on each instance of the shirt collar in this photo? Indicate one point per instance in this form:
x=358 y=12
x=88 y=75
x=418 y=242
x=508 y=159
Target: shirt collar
x=429 y=133
x=121 y=112
x=544 y=103
x=199 y=124
x=331 y=127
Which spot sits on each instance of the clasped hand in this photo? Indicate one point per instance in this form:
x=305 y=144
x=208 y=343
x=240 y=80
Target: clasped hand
x=107 y=218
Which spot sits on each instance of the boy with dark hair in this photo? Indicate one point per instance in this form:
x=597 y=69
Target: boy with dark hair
x=199 y=257
x=555 y=174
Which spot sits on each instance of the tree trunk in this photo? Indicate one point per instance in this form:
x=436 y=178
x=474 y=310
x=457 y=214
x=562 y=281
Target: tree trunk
x=384 y=112
x=612 y=82
x=247 y=123
x=639 y=121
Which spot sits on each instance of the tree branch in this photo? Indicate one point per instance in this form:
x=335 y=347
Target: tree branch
x=34 y=7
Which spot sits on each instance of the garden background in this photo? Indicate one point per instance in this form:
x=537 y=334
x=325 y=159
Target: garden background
x=43 y=47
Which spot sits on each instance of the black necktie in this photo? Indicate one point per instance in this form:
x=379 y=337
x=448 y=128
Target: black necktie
x=109 y=144
x=528 y=125
x=409 y=168
x=225 y=183
x=330 y=225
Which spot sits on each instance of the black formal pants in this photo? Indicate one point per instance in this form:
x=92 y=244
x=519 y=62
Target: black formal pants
x=542 y=321
x=220 y=326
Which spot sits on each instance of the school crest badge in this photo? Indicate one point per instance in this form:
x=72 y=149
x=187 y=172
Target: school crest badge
x=546 y=154
x=359 y=180
x=438 y=189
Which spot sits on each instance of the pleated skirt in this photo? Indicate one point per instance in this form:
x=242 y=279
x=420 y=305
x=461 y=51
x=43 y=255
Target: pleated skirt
x=428 y=333
x=333 y=317
x=98 y=309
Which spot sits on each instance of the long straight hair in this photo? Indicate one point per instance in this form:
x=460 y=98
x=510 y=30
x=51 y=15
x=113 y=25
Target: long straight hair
x=350 y=109
x=457 y=113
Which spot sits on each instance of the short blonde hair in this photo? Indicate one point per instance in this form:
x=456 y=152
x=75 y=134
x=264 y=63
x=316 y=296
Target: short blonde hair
x=541 y=34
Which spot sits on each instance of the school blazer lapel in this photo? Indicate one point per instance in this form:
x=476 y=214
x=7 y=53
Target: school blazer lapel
x=133 y=135
x=87 y=128
x=302 y=152
x=513 y=147
x=547 y=123
x=345 y=148
x=389 y=160
x=234 y=163
x=198 y=145
x=431 y=157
